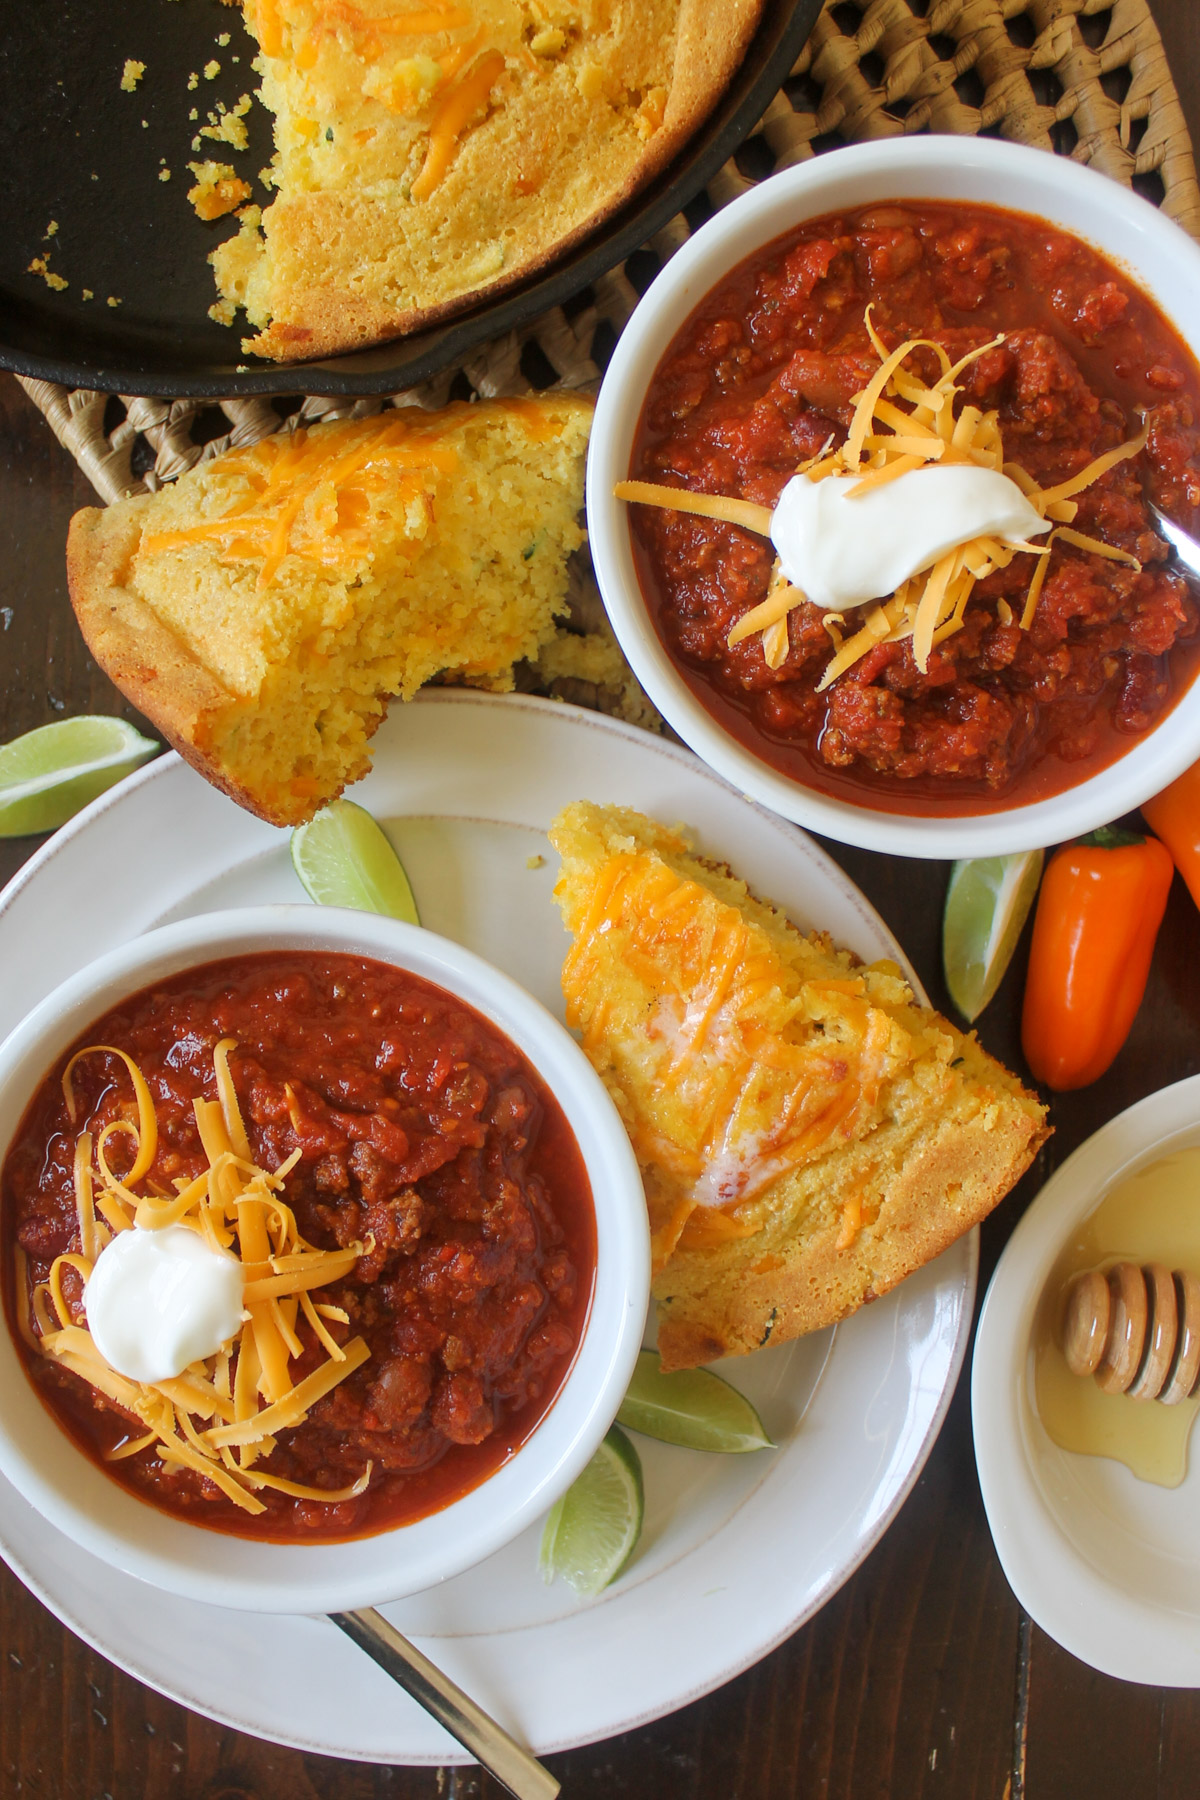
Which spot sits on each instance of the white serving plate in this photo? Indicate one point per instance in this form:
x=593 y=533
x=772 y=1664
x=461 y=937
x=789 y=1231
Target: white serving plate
x=737 y=1552
x=1108 y=1565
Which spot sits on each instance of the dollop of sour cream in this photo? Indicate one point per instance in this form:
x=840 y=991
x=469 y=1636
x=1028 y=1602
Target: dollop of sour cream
x=842 y=552
x=159 y=1300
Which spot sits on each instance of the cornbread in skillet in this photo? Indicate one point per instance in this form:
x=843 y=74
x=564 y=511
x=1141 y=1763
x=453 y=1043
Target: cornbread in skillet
x=807 y=1133
x=261 y=609
x=428 y=153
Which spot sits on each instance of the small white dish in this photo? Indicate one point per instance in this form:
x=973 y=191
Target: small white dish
x=74 y=1494
x=1108 y=1565
x=1157 y=255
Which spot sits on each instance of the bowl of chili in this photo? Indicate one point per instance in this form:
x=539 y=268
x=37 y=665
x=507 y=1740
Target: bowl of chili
x=1053 y=689
x=443 y=1249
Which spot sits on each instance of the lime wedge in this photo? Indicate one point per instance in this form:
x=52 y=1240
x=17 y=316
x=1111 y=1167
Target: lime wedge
x=590 y=1534
x=692 y=1407
x=987 y=903
x=344 y=859
x=49 y=774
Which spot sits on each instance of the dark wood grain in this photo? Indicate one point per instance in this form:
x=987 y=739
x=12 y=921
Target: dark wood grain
x=920 y=1680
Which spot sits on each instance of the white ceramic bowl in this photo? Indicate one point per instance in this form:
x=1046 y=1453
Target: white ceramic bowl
x=75 y=1495
x=1151 y=251
x=1108 y=1565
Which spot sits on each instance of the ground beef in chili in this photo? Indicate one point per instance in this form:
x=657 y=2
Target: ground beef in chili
x=763 y=373
x=425 y=1134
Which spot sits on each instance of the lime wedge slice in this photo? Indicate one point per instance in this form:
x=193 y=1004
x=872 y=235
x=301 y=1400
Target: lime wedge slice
x=692 y=1407
x=987 y=903
x=590 y=1534
x=49 y=774
x=343 y=858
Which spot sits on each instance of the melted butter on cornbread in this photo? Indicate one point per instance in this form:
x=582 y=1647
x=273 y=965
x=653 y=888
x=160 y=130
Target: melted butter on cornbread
x=261 y=609
x=807 y=1133
x=424 y=153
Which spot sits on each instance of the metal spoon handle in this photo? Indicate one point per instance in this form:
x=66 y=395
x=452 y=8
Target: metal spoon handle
x=488 y=1742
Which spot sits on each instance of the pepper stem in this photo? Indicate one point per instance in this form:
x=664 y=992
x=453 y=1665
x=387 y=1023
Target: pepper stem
x=1111 y=837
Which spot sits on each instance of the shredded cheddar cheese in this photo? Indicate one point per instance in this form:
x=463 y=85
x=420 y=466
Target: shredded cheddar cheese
x=234 y=1206
x=453 y=113
x=311 y=496
x=901 y=424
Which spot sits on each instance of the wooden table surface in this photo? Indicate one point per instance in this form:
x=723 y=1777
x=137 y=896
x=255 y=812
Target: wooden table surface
x=921 y=1678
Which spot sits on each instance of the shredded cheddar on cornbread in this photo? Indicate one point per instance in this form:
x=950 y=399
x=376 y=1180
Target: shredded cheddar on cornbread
x=807 y=1132
x=265 y=606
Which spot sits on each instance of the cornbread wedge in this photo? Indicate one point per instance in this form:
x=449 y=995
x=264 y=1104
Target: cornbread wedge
x=426 y=154
x=262 y=609
x=808 y=1134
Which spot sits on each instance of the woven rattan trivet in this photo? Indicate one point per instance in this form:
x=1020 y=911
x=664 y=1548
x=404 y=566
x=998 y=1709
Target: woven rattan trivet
x=1085 y=78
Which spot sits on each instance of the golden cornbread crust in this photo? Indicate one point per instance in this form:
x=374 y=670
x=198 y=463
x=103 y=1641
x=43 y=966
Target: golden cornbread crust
x=429 y=156
x=807 y=1132
x=146 y=661
x=262 y=610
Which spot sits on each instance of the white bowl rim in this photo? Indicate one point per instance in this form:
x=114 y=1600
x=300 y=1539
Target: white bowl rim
x=224 y=1570
x=932 y=168
x=1098 y=1622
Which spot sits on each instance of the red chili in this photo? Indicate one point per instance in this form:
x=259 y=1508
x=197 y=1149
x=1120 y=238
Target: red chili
x=1098 y=913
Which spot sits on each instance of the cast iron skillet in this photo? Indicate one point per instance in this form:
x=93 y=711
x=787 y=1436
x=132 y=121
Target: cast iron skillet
x=85 y=157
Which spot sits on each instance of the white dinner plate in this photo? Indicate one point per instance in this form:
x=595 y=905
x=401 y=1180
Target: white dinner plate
x=1107 y=1564
x=737 y=1551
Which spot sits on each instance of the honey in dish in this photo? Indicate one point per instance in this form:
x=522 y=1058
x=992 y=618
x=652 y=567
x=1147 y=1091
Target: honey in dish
x=1154 y=1216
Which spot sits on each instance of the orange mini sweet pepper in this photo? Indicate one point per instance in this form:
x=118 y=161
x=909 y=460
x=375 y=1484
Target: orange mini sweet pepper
x=1098 y=913
x=1175 y=816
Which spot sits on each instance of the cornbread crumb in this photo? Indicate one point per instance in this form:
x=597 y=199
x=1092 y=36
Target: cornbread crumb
x=535 y=862
x=194 y=114
x=218 y=189
x=164 y=174
x=193 y=82
x=51 y=229
x=225 y=128
x=212 y=70
x=222 y=313
x=88 y=294
x=114 y=300
x=41 y=266
x=223 y=39
x=360 y=559
x=131 y=74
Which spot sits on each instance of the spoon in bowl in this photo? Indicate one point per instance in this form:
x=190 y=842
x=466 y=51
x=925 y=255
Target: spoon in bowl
x=1185 y=546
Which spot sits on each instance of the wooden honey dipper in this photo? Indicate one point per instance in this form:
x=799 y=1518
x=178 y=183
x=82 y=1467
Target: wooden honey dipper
x=1137 y=1330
